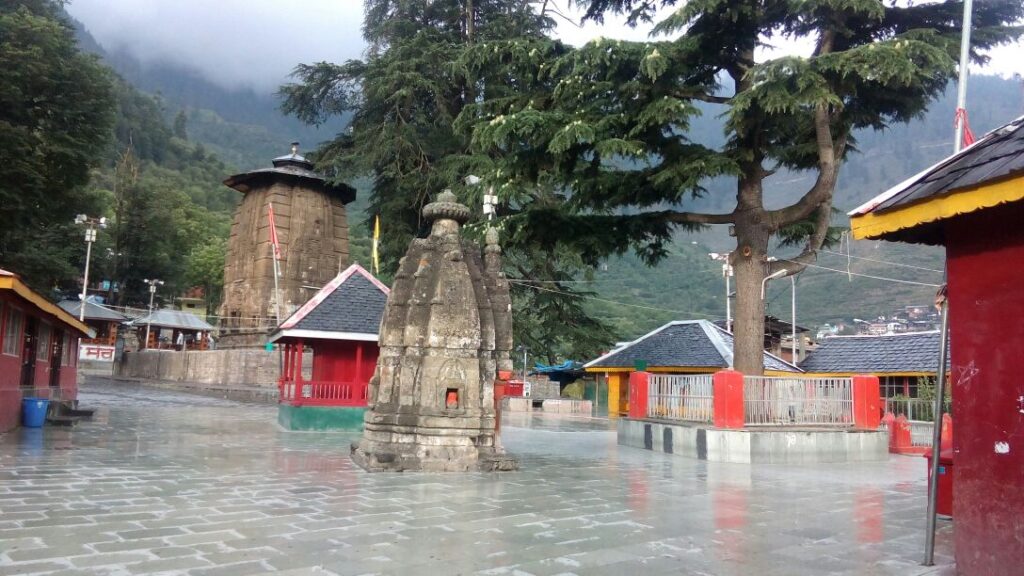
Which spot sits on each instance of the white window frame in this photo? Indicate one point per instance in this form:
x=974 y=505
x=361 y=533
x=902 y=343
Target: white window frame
x=11 y=312
x=43 y=342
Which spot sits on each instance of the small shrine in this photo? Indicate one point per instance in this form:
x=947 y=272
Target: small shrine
x=339 y=325
x=446 y=333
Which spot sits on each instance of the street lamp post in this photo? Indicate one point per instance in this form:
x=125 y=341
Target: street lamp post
x=792 y=280
x=90 y=237
x=726 y=273
x=152 y=292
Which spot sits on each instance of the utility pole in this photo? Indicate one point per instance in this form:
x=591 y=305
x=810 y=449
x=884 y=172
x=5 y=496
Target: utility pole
x=152 y=292
x=792 y=280
x=90 y=237
x=727 y=274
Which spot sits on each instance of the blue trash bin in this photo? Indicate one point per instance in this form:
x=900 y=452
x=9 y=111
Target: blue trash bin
x=33 y=412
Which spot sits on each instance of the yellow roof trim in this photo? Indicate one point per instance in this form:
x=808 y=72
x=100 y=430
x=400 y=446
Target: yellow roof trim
x=15 y=284
x=689 y=369
x=874 y=225
x=879 y=374
x=684 y=369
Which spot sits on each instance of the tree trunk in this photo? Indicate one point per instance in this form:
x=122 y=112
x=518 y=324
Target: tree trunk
x=749 y=261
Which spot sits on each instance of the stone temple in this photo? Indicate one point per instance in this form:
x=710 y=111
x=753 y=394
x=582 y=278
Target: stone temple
x=312 y=230
x=446 y=332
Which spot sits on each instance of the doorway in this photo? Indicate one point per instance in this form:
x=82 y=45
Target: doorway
x=28 y=354
x=56 y=355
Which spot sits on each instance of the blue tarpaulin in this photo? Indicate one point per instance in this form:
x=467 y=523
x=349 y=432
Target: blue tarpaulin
x=563 y=373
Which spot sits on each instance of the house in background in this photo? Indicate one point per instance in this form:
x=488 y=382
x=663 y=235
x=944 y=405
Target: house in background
x=340 y=324
x=38 y=349
x=973 y=204
x=166 y=325
x=104 y=321
x=899 y=360
x=681 y=347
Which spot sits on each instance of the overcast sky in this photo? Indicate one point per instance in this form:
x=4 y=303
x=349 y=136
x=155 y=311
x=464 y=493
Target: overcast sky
x=257 y=42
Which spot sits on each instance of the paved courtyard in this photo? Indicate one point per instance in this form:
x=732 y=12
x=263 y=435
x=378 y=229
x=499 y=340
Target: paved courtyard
x=169 y=483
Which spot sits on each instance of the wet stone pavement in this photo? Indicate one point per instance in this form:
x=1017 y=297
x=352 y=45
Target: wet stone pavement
x=169 y=483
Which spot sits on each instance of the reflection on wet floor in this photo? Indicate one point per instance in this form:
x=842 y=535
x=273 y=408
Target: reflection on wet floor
x=163 y=481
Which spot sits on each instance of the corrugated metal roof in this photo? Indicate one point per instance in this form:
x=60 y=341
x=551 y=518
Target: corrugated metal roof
x=93 y=311
x=167 y=318
x=889 y=353
x=683 y=344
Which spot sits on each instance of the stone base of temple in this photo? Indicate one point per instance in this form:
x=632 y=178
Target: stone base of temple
x=410 y=455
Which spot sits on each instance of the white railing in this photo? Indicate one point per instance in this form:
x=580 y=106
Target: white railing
x=915 y=409
x=798 y=401
x=675 y=397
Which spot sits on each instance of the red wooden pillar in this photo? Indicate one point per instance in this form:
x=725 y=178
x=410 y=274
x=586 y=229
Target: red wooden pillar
x=867 y=403
x=298 y=362
x=638 y=390
x=728 y=399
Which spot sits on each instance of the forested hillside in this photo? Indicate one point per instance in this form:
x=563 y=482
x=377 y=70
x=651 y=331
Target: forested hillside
x=243 y=127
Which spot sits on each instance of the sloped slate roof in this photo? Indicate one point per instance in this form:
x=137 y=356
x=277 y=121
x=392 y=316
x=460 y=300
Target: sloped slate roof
x=176 y=319
x=291 y=166
x=998 y=155
x=887 y=354
x=682 y=344
x=93 y=311
x=352 y=303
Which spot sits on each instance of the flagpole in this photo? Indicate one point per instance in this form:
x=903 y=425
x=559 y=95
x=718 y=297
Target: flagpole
x=376 y=245
x=274 y=251
x=961 y=90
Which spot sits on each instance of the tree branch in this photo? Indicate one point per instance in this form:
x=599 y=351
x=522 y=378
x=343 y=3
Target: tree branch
x=698 y=218
x=817 y=238
x=703 y=97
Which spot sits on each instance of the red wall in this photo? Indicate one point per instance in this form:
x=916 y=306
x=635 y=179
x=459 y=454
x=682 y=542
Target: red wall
x=10 y=374
x=338 y=361
x=985 y=255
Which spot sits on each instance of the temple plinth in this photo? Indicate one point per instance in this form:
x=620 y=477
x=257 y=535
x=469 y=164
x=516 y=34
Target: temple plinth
x=446 y=331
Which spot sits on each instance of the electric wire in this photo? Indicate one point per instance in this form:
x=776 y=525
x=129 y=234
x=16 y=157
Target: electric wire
x=881 y=261
x=599 y=299
x=883 y=278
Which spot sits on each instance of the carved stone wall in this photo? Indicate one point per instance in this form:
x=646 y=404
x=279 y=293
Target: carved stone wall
x=312 y=230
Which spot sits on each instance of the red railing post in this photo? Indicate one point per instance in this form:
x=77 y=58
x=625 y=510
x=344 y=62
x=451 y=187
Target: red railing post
x=899 y=436
x=728 y=399
x=638 y=394
x=867 y=403
x=947 y=432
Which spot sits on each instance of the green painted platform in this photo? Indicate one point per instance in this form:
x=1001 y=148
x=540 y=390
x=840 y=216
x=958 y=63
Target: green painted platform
x=320 y=417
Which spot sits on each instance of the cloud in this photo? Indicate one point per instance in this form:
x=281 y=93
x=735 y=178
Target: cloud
x=250 y=43
x=256 y=43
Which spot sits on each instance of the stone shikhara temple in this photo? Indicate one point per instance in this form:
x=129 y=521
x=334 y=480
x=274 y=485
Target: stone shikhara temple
x=312 y=229
x=446 y=331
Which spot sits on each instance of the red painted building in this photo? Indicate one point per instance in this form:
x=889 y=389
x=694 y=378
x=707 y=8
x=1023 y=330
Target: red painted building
x=339 y=325
x=38 y=349
x=973 y=204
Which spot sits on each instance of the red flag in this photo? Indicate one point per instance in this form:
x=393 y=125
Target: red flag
x=968 y=137
x=273 y=233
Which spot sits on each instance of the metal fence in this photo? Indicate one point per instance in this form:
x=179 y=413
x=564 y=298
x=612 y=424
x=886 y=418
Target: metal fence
x=915 y=409
x=675 y=397
x=797 y=401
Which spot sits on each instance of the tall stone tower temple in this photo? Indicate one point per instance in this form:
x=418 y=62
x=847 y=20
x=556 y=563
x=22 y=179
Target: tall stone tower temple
x=312 y=231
